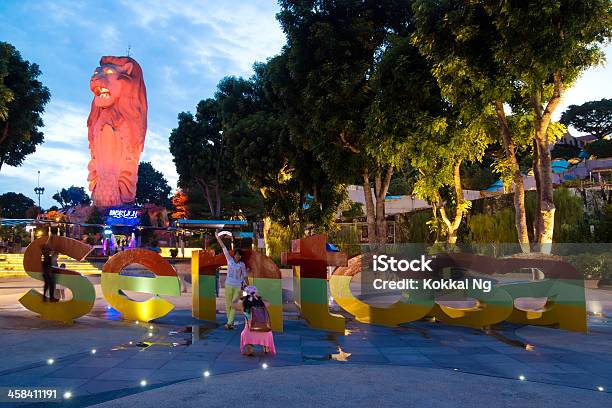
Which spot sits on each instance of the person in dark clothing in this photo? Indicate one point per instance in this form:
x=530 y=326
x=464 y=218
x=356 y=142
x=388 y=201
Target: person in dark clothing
x=49 y=279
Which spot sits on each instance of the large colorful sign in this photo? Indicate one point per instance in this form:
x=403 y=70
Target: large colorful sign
x=563 y=288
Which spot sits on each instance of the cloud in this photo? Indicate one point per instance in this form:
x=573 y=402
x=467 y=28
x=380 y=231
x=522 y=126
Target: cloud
x=214 y=35
x=61 y=159
x=157 y=152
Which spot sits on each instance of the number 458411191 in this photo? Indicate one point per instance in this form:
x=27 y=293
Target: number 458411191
x=33 y=394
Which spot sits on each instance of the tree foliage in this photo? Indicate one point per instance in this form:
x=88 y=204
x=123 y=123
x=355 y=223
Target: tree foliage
x=179 y=202
x=294 y=189
x=15 y=205
x=199 y=152
x=334 y=96
x=152 y=187
x=71 y=196
x=594 y=117
x=488 y=54
x=600 y=148
x=22 y=101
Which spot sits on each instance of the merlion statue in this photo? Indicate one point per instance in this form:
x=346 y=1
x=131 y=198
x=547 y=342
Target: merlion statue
x=117 y=125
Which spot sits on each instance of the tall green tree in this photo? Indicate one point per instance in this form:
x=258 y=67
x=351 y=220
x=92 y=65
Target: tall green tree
x=487 y=55
x=294 y=189
x=72 y=195
x=410 y=116
x=459 y=38
x=152 y=186
x=22 y=101
x=200 y=154
x=594 y=117
x=546 y=61
x=333 y=49
x=15 y=205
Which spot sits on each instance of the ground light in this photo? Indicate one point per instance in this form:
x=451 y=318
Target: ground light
x=67 y=395
x=600 y=388
x=143 y=383
x=150 y=334
x=207 y=373
x=521 y=377
x=93 y=351
x=50 y=361
x=264 y=365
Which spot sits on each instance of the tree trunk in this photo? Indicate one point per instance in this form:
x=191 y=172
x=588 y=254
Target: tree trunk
x=545 y=194
x=537 y=220
x=453 y=226
x=520 y=216
x=382 y=186
x=204 y=186
x=370 y=212
x=267 y=225
x=218 y=200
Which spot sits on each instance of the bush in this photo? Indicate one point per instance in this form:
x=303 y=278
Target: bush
x=592 y=266
x=492 y=229
x=600 y=148
x=415 y=227
x=347 y=240
x=570 y=224
x=603 y=227
x=278 y=241
x=355 y=210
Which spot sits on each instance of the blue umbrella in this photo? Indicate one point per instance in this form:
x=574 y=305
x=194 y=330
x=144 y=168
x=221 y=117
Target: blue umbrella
x=559 y=166
x=496 y=186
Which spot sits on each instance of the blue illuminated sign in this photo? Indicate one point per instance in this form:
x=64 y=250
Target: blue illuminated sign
x=128 y=216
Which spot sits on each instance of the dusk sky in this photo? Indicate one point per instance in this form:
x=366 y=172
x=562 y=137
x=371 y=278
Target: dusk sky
x=184 y=48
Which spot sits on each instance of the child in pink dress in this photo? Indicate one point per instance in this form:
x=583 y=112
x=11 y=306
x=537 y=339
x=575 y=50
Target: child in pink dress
x=250 y=338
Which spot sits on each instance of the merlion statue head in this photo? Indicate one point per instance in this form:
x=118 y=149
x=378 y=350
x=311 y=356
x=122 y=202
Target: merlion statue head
x=119 y=101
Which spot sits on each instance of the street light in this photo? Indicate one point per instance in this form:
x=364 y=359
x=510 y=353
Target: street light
x=38 y=189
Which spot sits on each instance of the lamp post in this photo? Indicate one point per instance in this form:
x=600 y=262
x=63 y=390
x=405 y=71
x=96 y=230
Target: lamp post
x=39 y=190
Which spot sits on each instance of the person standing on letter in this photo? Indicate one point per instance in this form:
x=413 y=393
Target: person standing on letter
x=236 y=273
x=49 y=279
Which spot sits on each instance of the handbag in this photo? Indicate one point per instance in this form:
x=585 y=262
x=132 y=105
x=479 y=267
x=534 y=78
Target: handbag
x=260 y=319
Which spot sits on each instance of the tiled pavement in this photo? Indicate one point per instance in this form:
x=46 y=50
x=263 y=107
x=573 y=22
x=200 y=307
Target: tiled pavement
x=171 y=358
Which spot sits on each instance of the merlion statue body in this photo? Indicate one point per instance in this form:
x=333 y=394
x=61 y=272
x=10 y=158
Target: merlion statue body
x=117 y=125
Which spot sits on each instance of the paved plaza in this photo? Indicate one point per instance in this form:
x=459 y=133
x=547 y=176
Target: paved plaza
x=410 y=362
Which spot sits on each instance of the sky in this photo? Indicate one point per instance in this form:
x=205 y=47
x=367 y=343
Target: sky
x=184 y=48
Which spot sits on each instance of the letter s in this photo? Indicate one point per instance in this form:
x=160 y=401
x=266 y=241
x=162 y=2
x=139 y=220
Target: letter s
x=383 y=260
x=83 y=292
